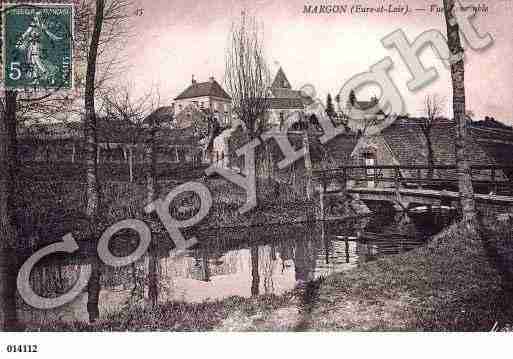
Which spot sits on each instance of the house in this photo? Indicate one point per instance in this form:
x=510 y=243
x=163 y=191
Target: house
x=286 y=106
x=359 y=115
x=206 y=96
x=292 y=111
x=404 y=144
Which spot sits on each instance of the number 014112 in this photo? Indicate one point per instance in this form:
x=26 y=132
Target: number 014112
x=25 y=348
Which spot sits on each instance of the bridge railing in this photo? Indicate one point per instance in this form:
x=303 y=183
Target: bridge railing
x=484 y=177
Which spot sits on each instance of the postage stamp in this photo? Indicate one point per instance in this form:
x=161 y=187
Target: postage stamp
x=38 y=46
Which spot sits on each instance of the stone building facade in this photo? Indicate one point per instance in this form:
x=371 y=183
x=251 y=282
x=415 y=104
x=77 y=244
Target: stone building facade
x=206 y=96
x=286 y=106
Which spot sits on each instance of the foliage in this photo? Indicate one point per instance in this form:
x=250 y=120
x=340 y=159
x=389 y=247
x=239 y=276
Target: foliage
x=330 y=109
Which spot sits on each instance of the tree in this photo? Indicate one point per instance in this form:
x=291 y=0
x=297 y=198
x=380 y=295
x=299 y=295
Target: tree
x=91 y=140
x=25 y=107
x=114 y=15
x=255 y=271
x=119 y=105
x=337 y=99
x=247 y=75
x=8 y=228
x=90 y=128
x=458 y=86
x=152 y=124
x=352 y=98
x=433 y=106
x=248 y=81
x=14 y=111
x=330 y=109
x=142 y=117
x=102 y=31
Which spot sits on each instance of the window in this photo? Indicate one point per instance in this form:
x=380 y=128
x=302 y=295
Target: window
x=202 y=104
x=370 y=161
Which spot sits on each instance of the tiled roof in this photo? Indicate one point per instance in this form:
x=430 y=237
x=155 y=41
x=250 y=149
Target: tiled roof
x=335 y=153
x=210 y=88
x=491 y=123
x=293 y=95
x=408 y=144
x=364 y=105
x=358 y=110
x=285 y=103
x=361 y=109
x=281 y=81
x=283 y=97
x=285 y=93
x=497 y=143
x=163 y=115
x=494 y=134
x=405 y=140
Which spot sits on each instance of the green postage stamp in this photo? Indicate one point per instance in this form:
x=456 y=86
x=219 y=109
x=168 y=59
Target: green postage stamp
x=38 y=46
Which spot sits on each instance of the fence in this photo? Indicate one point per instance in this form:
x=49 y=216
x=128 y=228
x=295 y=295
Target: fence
x=485 y=178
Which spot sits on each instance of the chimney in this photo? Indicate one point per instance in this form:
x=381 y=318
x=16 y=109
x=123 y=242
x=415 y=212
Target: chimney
x=193 y=80
x=212 y=79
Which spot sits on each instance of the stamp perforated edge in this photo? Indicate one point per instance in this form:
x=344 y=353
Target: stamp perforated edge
x=4 y=5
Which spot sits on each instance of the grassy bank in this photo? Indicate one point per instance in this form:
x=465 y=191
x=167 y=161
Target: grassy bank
x=452 y=284
x=50 y=209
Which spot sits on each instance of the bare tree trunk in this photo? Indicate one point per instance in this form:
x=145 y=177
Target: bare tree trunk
x=8 y=230
x=151 y=193
x=91 y=137
x=261 y=177
x=458 y=85
x=255 y=273
x=430 y=157
x=151 y=164
x=130 y=164
x=93 y=291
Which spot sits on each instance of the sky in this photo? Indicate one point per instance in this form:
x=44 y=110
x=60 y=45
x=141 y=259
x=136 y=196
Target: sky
x=174 y=40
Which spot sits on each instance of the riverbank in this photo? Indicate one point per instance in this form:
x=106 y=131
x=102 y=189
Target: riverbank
x=451 y=284
x=49 y=210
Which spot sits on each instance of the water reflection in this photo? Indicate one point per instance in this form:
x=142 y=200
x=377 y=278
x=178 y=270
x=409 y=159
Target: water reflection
x=269 y=260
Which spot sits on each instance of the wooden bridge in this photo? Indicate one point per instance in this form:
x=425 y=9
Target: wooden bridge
x=407 y=186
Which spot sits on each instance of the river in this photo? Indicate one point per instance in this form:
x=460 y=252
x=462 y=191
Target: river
x=234 y=262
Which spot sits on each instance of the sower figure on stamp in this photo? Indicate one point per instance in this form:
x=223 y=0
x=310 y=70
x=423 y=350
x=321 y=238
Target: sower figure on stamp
x=30 y=42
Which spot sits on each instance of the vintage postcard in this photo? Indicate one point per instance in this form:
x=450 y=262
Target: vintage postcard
x=254 y=166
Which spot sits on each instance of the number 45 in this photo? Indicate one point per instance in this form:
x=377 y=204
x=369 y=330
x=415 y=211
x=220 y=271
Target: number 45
x=15 y=73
